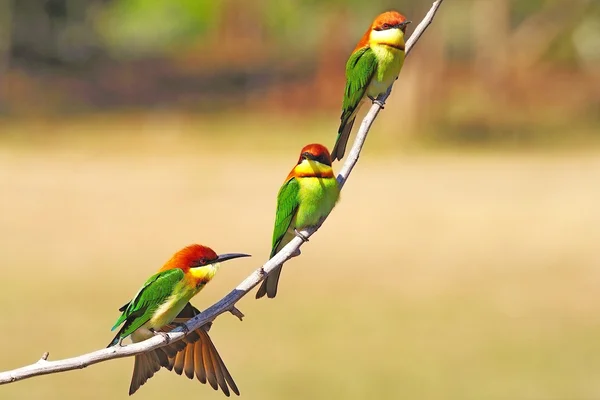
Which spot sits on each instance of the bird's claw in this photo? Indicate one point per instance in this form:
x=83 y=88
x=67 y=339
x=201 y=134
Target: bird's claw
x=301 y=235
x=163 y=334
x=183 y=327
x=379 y=103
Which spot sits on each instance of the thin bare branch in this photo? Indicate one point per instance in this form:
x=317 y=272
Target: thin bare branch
x=227 y=303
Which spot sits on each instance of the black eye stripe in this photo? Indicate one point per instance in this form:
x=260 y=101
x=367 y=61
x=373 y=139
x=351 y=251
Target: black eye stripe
x=387 y=26
x=200 y=262
x=321 y=158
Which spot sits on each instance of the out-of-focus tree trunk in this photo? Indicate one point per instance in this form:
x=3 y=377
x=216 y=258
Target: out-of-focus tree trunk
x=5 y=33
x=31 y=31
x=409 y=108
x=491 y=33
x=327 y=90
x=5 y=48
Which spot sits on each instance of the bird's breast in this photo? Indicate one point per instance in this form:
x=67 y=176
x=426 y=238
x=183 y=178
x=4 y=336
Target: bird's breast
x=167 y=311
x=317 y=197
x=389 y=64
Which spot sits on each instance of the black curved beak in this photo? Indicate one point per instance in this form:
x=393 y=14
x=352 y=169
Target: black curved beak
x=230 y=256
x=403 y=24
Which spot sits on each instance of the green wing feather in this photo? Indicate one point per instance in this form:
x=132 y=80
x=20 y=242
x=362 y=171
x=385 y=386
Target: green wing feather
x=360 y=68
x=154 y=292
x=287 y=206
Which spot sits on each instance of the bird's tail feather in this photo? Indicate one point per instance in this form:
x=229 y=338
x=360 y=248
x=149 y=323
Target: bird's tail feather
x=144 y=367
x=339 y=148
x=269 y=285
x=196 y=355
x=117 y=337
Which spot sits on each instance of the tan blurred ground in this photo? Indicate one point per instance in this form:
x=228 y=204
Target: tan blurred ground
x=438 y=276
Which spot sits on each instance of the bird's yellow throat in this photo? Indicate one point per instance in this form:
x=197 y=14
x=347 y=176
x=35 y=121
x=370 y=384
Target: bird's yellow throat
x=313 y=169
x=203 y=275
x=389 y=37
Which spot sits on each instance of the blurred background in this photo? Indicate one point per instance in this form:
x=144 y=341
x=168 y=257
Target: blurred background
x=461 y=262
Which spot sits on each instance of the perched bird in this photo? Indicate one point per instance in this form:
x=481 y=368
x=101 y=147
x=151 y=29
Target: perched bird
x=307 y=196
x=372 y=67
x=160 y=301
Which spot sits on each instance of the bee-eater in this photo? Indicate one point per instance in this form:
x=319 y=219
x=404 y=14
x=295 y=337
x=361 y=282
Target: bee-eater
x=161 y=299
x=307 y=196
x=372 y=67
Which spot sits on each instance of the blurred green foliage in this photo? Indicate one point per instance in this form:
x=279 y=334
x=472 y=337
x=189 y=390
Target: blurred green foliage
x=136 y=27
x=487 y=71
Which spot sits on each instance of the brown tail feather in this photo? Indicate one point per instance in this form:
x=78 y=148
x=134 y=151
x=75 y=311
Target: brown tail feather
x=221 y=372
x=210 y=369
x=188 y=365
x=197 y=355
x=144 y=367
x=199 y=362
x=224 y=377
x=179 y=362
x=163 y=357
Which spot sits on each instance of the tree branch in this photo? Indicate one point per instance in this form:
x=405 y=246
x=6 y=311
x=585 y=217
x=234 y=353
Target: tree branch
x=227 y=303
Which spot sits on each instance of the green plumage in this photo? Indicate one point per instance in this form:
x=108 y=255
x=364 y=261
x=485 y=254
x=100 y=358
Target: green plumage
x=157 y=289
x=301 y=202
x=370 y=70
x=287 y=205
x=360 y=68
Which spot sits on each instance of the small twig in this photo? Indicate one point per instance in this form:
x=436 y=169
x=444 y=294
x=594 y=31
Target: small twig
x=235 y=311
x=228 y=302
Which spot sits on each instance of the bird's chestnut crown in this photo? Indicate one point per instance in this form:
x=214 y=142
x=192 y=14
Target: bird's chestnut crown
x=191 y=256
x=315 y=152
x=390 y=20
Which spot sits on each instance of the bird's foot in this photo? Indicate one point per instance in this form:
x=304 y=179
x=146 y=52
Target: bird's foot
x=163 y=334
x=301 y=235
x=377 y=101
x=120 y=344
x=380 y=103
x=183 y=327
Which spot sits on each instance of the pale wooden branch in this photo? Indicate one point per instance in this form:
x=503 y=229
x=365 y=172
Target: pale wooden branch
x=227 y=303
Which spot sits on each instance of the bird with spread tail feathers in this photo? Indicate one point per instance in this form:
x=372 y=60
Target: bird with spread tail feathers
x=160 y=305
x=307 y=196
x=372 y=67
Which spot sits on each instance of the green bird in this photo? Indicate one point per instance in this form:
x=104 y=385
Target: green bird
x=160 y=301
x=307 y=196
x=372 y=67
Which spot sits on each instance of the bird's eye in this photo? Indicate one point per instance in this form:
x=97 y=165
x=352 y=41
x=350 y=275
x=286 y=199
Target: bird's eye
x=386 y=26
x=202 y=261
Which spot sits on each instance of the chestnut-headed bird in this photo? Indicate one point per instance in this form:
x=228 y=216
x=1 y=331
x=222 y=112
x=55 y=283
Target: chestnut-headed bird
x=161 y=299
x=372 y=67
x=307 y=196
